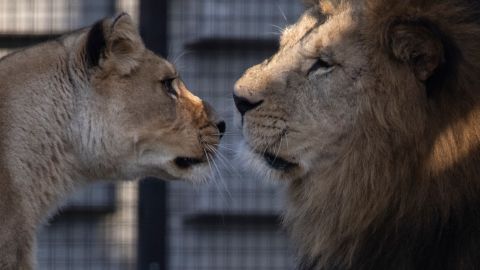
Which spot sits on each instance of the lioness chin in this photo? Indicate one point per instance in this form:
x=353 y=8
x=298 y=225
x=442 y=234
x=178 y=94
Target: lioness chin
x=91 y=105
x=370 y=112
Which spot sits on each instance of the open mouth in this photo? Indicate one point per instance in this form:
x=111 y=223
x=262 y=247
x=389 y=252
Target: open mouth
x=278 y=163
x=186 y=162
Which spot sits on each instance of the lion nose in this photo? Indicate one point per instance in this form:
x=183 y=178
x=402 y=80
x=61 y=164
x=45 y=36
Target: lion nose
x=244 y=105
x=221 y=128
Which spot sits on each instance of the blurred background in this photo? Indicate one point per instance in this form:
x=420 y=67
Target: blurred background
x=231 y=223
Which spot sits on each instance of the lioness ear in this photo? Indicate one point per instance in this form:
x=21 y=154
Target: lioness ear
x=114 y=45
x=417 y=43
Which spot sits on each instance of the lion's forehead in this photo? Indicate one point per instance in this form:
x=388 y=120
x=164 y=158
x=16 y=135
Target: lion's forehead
x=313 y=32
x=294 y=33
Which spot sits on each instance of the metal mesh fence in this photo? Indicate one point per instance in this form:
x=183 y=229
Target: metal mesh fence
x=229 y=223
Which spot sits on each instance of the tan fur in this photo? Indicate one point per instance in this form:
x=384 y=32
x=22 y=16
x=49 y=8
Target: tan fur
x=387 y=143
x=64 y=123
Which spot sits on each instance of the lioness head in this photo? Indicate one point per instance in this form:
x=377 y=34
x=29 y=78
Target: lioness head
x=137 y=118
x=371 y=110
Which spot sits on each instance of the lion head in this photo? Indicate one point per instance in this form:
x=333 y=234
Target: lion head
x=136 y=117
x=370 y=112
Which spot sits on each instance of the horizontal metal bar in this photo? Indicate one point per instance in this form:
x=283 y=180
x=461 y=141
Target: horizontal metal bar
x=233 y=219
x=13 y=41
x=231 y=44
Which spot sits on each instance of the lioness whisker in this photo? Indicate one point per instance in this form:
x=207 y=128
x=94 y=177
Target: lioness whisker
x=221 y=180
x=226 y=134
x=226 y=163
x=225 y=147
x=179 y=56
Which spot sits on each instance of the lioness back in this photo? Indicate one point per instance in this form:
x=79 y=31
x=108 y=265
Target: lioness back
x=91 y=105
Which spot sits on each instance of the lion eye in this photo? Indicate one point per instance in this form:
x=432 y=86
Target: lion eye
x=168 y=86
x=320 y=64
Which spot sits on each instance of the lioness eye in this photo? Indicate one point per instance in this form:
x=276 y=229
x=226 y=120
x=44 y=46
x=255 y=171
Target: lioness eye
x=168 y=86
x=320 y=64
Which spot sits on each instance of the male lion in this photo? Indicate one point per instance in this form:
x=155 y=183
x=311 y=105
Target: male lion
x=370 y=111
x=94 y=104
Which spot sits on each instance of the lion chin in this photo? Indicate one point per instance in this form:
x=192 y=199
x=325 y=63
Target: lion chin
x=268 y=165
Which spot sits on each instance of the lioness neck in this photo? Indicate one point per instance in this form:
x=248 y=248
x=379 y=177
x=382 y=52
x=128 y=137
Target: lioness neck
x=36 y=137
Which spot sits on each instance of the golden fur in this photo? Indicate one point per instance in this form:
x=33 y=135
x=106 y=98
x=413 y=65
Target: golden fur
x=382 y=138
x=92 y=105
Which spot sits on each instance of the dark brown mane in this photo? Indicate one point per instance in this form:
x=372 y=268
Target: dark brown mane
x=406 y=192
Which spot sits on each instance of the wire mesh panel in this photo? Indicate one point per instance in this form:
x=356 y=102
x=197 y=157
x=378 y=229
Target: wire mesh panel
x=232 y=222
x=92 y=238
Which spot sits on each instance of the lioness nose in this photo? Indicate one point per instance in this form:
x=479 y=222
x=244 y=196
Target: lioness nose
x=244 y=105
x=221 y=128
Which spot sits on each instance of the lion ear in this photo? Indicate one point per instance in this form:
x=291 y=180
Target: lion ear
x=418 y=44
x=114 y=45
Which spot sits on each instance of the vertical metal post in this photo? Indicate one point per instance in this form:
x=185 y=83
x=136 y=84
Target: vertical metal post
x=152 y=205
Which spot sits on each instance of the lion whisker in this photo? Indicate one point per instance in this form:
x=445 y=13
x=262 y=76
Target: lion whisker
x=283 y=14
x=278 y=28
x=279 y=146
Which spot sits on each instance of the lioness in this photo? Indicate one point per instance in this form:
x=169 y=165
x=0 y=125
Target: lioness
x=94 y=104
x=370 y=112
